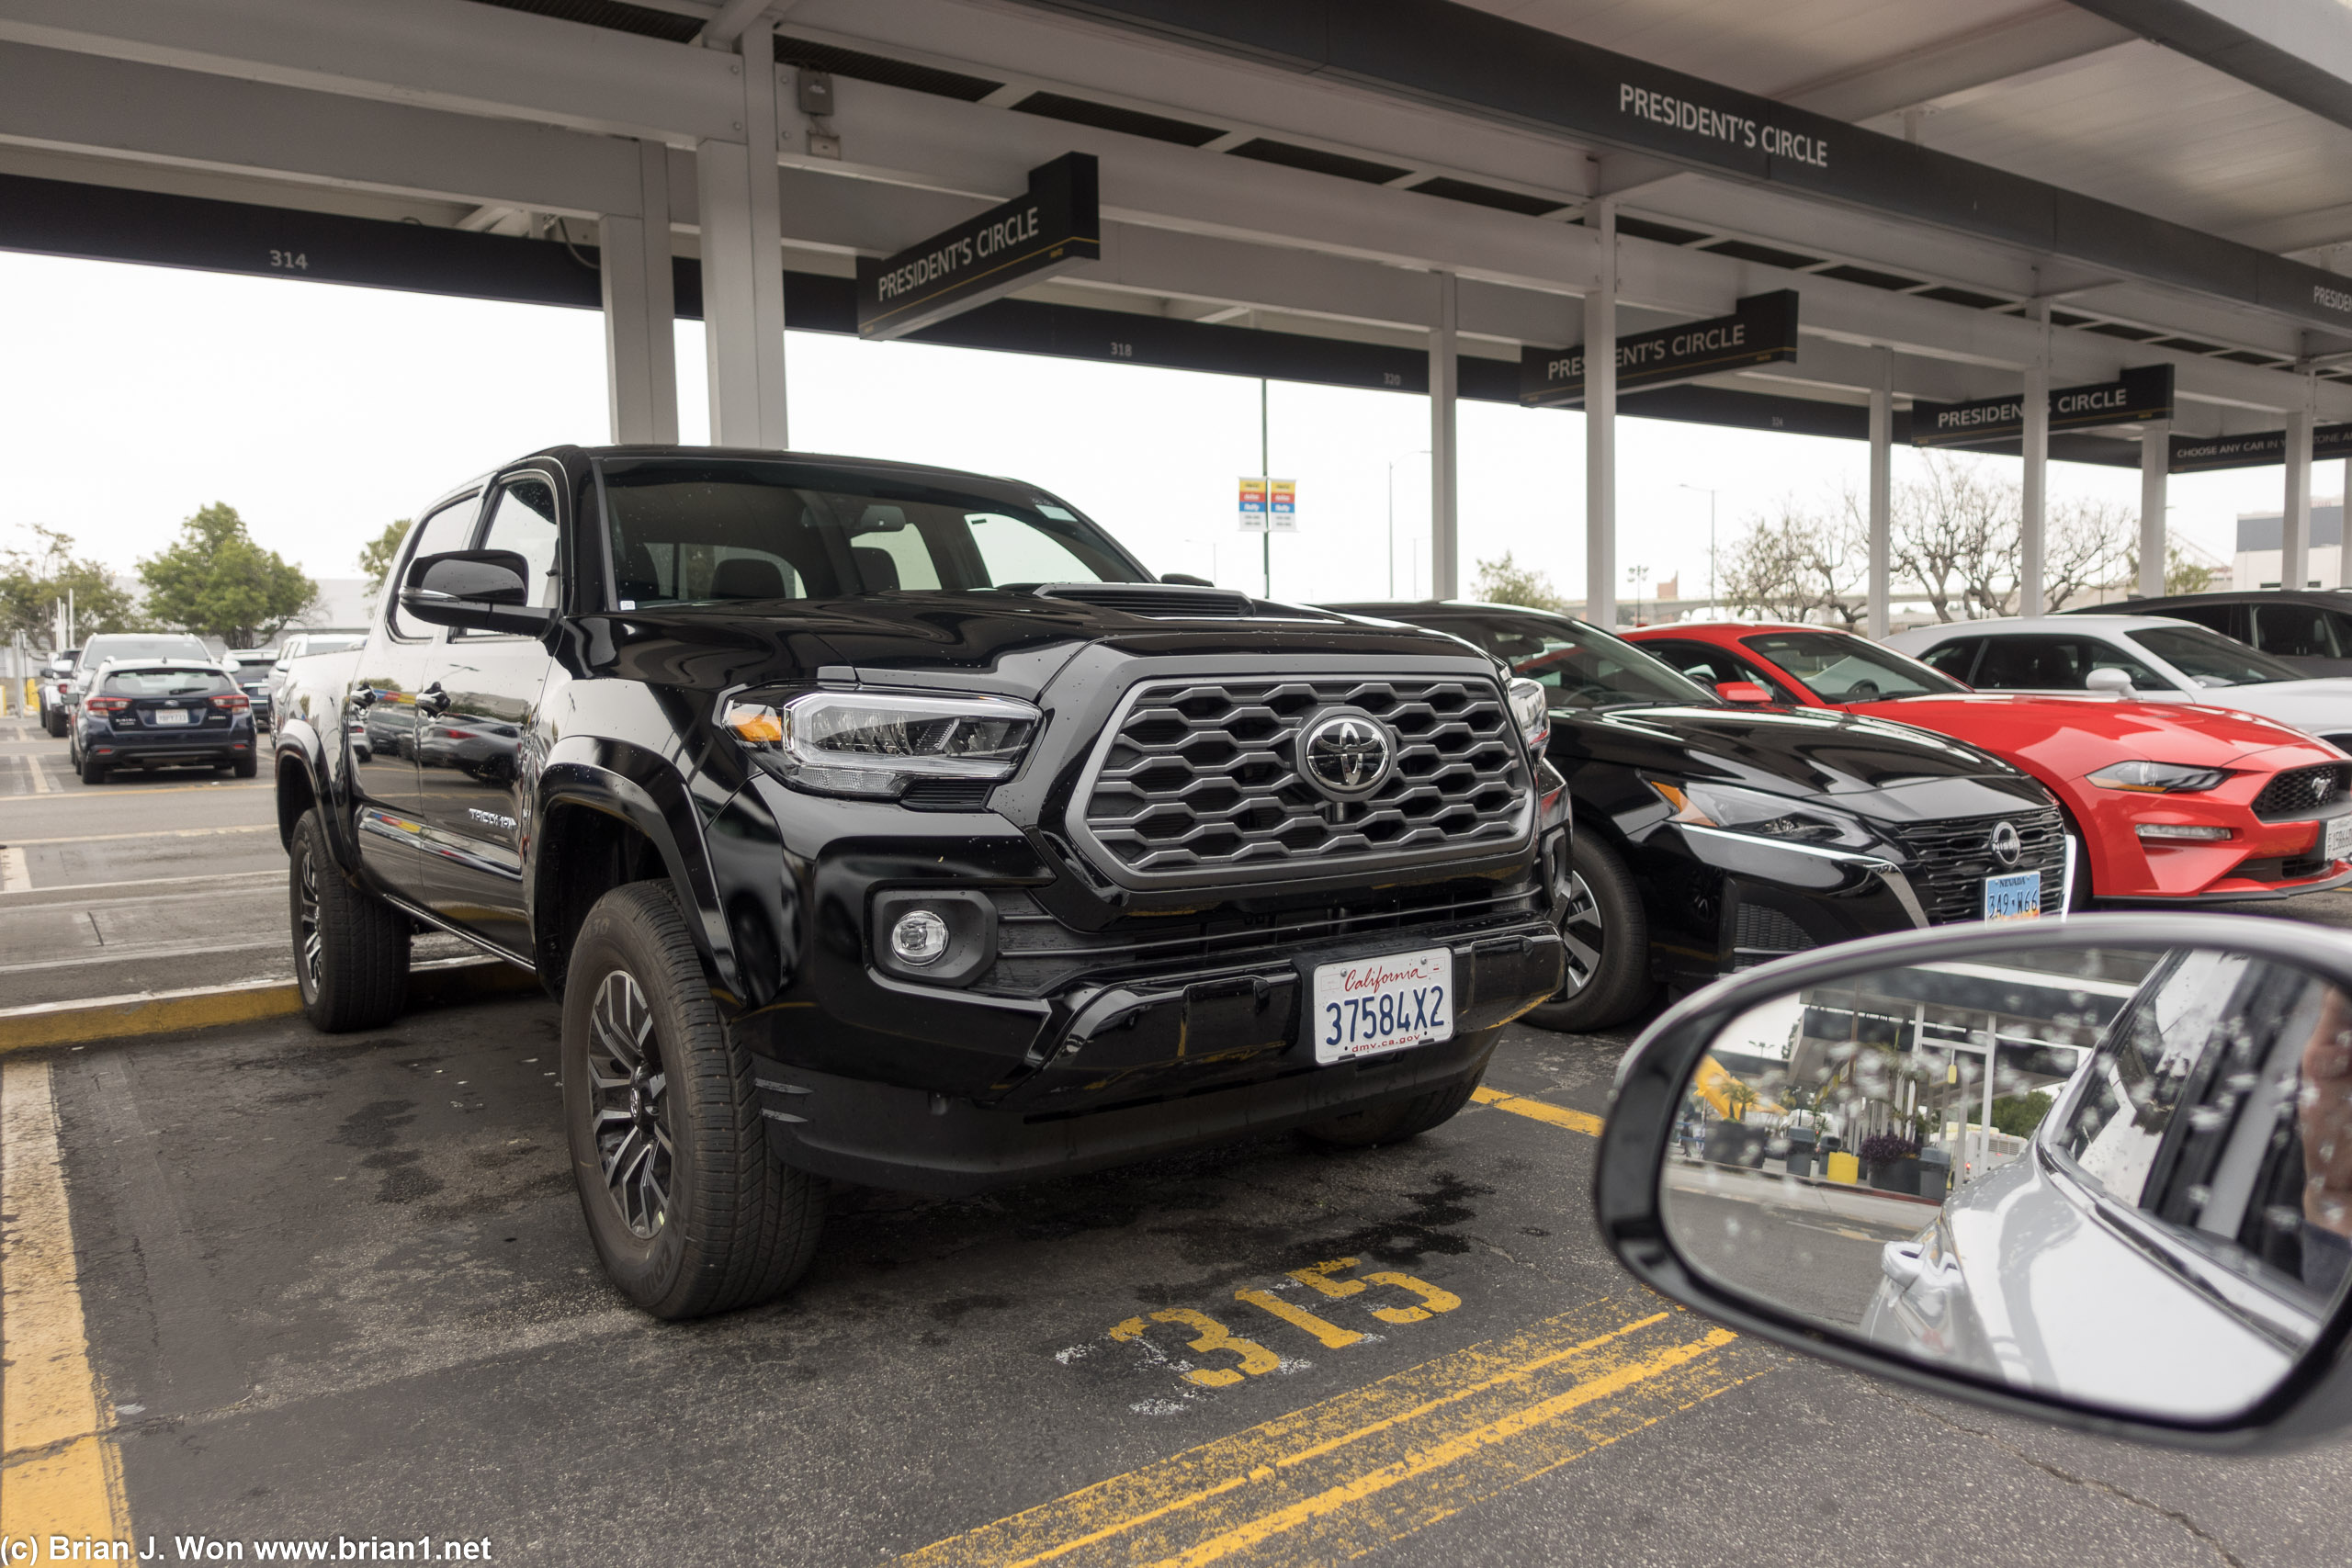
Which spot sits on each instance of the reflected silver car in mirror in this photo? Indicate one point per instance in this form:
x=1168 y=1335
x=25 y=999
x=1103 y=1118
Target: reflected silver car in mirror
x=2104 y=1172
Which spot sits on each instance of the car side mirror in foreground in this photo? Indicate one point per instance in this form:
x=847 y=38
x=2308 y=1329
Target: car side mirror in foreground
x=1747 y=693
x=486 y=591
x=2098 y=1172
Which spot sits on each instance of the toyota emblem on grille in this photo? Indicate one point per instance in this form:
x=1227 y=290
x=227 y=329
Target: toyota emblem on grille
x=1347 y=756
x=2007 y=847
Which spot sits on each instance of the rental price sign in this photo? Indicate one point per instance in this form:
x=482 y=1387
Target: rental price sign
x=1268 y=505
x=1760 y=330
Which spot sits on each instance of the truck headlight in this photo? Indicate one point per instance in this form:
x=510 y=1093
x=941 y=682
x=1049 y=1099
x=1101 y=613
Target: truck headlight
x=1530 y=709
x=874 y=744
x=1736 y=810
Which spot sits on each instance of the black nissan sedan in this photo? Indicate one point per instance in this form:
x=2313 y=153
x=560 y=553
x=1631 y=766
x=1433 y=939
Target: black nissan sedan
x=1712 y=836
x=156 y=713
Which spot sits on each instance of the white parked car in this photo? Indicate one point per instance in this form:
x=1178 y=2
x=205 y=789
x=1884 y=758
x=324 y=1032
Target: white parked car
x=2150 y=657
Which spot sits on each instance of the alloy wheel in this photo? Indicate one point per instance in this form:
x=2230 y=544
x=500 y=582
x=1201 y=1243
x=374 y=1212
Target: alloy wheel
x=310 y=947
x=1581 y=933
x=629 y=1103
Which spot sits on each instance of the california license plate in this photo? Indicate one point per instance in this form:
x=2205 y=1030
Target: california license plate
x=1383 y=1004
x=2339 y=837
x=171 y=716
x=2016 y=897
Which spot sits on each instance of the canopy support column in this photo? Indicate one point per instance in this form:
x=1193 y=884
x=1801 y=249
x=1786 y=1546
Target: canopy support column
x=1445 y=550
x=1601 y=425
x=742 y=263
x=1881 y=517
x=2156 y=547
x=2032 y=599
x=640 y=308
x=2295 y=521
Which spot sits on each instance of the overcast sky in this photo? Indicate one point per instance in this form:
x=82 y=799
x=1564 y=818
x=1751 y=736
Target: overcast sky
x=131 y=396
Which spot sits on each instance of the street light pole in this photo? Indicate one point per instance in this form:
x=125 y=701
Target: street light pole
x=1711 y=540
x=1416 y=452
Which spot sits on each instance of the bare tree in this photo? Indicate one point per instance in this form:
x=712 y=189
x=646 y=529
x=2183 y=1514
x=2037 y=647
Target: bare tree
x=2089 y=544
x=1769 y=569
x=1955 y=534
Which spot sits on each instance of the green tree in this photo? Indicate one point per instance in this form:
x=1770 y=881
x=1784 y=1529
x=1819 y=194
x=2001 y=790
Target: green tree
x=1504 y=581
x=2183 y=573
x=2016 y=1114
x=215 y=582
x=32 y=581
x=376 y=557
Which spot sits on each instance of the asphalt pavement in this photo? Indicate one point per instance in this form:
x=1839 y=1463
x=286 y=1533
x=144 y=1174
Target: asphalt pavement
x=339 y=1290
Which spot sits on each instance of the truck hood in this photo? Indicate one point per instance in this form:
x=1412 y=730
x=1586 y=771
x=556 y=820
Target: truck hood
x=1008 y=643
x=2071 y=735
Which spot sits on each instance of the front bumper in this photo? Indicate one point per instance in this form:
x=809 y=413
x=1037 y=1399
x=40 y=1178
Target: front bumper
x=907 y=1140
x=1118 y=1071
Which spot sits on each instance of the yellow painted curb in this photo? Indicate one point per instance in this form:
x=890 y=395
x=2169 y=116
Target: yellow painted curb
x=211 y=1007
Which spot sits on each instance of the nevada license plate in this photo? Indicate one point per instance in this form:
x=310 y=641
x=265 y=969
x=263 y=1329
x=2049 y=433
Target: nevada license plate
x=171 y=716
x=2016 y=897
x=1383 y=1004
x=2339 y=837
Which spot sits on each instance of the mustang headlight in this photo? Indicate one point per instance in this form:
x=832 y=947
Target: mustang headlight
x=874 y=744
x=1530 y=709
x=1737 y=811
x=2158 y=778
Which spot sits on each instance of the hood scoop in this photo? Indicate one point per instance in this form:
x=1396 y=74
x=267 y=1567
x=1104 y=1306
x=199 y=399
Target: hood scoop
x=1162 y=600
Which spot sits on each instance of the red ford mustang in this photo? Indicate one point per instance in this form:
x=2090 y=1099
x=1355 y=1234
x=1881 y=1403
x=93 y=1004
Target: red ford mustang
x=2173 y=803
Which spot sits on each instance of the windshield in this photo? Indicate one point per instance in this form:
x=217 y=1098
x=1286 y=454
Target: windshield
x=2211 y=659
x=121 y=683
x=1841 y=668
x=686 y=533
x=1578 y=666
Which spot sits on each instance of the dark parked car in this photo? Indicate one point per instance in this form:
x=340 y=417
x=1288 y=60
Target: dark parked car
x=163 y=713
x=1711 y=837
x=892 y=825
x=2308 y=629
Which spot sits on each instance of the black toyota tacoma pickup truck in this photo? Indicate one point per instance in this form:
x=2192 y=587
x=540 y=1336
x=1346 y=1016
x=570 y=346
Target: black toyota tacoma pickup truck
x=892 y=825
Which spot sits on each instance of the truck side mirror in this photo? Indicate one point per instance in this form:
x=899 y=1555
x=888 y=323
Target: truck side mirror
x=477 y=589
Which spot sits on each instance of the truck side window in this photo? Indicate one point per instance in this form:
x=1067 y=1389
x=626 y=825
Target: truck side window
x=447 y=529
x=523 y=520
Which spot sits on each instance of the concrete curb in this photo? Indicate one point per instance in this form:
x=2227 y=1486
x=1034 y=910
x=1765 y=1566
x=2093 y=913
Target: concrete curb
x=101 y=1020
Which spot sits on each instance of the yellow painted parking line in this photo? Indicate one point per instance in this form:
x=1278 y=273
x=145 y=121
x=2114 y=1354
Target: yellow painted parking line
x=60 y=1472
x=1539 y=1111
x=1373 y=1465
x=158 y=833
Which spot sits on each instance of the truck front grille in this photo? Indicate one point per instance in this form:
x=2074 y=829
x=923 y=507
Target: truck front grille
x=1950 y=861
x=1201 y=780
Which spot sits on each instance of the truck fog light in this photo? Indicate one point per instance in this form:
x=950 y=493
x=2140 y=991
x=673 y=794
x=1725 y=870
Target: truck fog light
x=919 y=937
x=2178 y=832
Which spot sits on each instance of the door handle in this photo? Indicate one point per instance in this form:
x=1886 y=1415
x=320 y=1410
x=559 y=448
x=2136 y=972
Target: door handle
x=433 y=699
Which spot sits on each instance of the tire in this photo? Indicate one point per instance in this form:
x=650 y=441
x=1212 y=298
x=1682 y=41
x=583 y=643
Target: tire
x=93 y=770
x=350 y=947
x=690 y=1212
x=54 y=721
x=1608 y=933
x=1395 y=1124
x=246 y=767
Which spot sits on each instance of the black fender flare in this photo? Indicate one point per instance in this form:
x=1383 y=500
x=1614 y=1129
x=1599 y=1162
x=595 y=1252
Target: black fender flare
x=642 y=789
x=296 y=746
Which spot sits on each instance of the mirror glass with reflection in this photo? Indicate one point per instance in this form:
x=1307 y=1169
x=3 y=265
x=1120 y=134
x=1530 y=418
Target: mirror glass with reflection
x=2122 y=1177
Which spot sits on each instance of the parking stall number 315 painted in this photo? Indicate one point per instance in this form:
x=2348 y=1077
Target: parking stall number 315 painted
x=1254 y=1359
